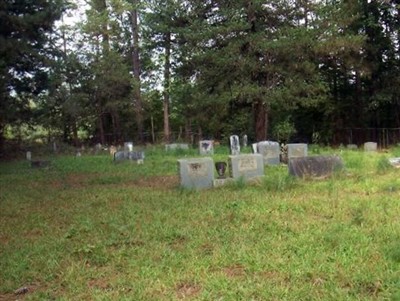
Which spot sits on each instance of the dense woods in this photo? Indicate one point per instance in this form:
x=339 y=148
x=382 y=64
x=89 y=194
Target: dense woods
x=162 y=71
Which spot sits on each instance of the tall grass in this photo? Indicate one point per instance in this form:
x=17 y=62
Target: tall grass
x=89 y=229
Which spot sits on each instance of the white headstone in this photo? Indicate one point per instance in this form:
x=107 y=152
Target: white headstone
x=254 y=147
x=370 y=146
x=235 y=145
x=197 y=173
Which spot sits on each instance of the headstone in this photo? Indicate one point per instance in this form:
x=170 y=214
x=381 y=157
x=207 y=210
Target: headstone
x=370 y=146
x=254 y=147
x=28 y=156
x=137 y=156
x=395 y=162
x=296 y=150
x=197 y=173
x=174 y=146
x=206 y=147
x=352 y=146
x=235 y=145
x=78 y=154
x=315 y=166
x=128 y=146
x=247 y=166
x=245 y=140
x=119 y=156
x=270 y=150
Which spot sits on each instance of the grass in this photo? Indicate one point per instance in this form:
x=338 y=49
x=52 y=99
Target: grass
x=89 y=229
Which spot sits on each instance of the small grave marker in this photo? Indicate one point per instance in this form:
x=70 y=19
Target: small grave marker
x=206 y=147
x=254 y=147
x=315 y=166
x=370 y=146
x=28 y=156
x=245 y=140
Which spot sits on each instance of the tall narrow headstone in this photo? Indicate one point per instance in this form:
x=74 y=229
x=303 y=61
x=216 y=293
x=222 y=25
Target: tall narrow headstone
x=270 y=150
x=245 y=140
x=206 y=147
x=315 y=166
x=296 y=150
x=254 y=147
x=246 y=166
x=28 y=156
x=235 y=145
x=197 y=173
x=370 y=146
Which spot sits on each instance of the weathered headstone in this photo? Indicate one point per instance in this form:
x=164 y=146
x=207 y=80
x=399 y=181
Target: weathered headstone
x=270 y=150
x=315 y=166
x=245 y=140
x=395 y=162
x=296 y=150
x=197 y=173
x=28 y=156
x=174 y=146
x=119 y=156
x=206 y=147
x=246 y=166
x=254 y=147
x=137 y=156
x=235 y=145
x=370 y=146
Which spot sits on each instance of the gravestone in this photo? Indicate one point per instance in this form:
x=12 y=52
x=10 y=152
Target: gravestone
x=119 y=156
x=174 y=146
x=352 y=146
x=370 y=146
x=197 y=173
x=395 y=162
x=137 y=156
x=296 y=150
x=254 y=147
x=246 y=166
x=206 y=147
x=28 y=156
x=270 y=150
x=245 y=140
x=315 y=166
x=235 y=145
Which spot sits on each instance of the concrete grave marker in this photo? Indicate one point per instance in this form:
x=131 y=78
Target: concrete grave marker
x=296 y=150
x=197 y=173
x=370 y=146
x=246 y=166
x=270 y=150
x=235 y=145
x=315 y=166
x=206 y=147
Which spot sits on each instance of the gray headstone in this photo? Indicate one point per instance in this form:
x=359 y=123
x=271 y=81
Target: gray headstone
x=254 y=147
x=235 y=145
x=370 y=146
x=197 y=173
x=174 y=146
x=352 y=146
x=245 y=140
x=296 y=150
x=246 y=166
x=270 y=150
x=206 y=147
x=315 y=166
x=119 y=156
x=28 y=156
x=395 y=162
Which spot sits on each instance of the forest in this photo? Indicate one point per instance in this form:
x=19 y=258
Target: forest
x=161 y=71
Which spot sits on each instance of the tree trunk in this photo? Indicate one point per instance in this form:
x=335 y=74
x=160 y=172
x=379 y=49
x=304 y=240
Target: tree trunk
x=136 y=74
x=101 y=130
x=260 y=120
x=167 y=81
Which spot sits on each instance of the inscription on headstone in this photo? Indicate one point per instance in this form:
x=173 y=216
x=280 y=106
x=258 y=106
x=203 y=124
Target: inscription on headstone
x=296 y=150
x=235 y=145
x=206 y=147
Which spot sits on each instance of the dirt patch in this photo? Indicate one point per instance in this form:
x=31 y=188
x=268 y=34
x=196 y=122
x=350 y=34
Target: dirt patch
x=101 y=284
x=234 y=271
x=159 y=182
x=187 y=290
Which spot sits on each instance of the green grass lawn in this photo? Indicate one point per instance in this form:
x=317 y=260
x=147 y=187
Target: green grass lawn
x=89 y=229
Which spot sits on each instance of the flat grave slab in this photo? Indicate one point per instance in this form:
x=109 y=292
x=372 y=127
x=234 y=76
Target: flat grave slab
x=315 y=166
